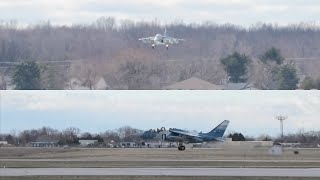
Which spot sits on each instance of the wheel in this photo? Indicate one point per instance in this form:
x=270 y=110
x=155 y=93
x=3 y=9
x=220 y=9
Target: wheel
x=181 y=148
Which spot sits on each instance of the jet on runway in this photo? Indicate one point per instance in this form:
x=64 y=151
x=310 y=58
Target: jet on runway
x=182 y=136
x=161 y=39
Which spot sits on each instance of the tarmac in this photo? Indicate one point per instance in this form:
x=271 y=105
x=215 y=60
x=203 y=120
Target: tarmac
x=244 y=172
x=95 y=159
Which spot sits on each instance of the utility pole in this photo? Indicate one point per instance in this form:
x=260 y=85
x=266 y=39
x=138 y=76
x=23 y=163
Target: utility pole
x=281 y=119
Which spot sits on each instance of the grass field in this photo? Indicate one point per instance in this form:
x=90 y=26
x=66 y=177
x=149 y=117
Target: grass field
x=119 y=164
x=153 y=178
x=77 y=157
x=123 y=154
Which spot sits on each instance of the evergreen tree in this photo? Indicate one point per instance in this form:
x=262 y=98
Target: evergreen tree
x=272 y=54
x=26 y=76
x=308 y=83
x=236 y=66
x=286 y=77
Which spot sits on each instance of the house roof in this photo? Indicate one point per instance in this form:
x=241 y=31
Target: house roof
x=45 y=142
x=239 y=86
x=99 y=83
x=3 y=84
x=194 y=84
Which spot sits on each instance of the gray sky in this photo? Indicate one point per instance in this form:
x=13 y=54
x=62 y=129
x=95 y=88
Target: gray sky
x=250 y=112
x=241 y=12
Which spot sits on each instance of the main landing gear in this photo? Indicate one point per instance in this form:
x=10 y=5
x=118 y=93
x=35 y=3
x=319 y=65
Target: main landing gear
x=181 y=147
x=167 y=46
x=153 y=46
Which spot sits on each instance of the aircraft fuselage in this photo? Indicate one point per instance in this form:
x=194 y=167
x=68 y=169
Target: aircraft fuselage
x=182 y=136
x=159 y=40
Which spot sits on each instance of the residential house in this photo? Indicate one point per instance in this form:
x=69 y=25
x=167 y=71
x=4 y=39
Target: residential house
x=98 y=83
x=193 y=84
x=239 y=86
x=3 y=84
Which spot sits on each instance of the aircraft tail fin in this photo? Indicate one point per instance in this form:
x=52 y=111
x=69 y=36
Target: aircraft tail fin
x=219 y=130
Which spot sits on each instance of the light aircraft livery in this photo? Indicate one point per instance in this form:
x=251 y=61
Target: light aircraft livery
x=161 y=39
x=182 y=136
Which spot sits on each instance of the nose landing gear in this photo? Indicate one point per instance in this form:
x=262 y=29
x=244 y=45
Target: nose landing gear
x=153 y=46
x=181 y=147
x=167 y=46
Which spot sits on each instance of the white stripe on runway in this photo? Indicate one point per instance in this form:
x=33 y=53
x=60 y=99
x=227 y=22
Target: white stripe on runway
x=293 y=172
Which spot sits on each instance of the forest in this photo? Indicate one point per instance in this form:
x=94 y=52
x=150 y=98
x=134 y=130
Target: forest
x=109 y=48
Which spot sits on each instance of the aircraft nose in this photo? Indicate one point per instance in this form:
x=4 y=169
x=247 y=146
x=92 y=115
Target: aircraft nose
x=147 y=135
x=144 y=134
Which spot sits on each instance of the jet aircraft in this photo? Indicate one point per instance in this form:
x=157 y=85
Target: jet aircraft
x=161 y=39
x=182 y=136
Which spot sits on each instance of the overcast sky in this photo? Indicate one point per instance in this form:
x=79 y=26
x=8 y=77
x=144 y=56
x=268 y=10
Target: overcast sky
x=241 y=12
x=250 y=112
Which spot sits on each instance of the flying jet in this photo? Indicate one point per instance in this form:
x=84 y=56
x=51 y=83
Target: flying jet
x=182 y=136
x=161 y=39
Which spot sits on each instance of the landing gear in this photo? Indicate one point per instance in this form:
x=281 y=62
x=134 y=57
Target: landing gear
x=153 y=46
x=167 y=46
x=181 y=147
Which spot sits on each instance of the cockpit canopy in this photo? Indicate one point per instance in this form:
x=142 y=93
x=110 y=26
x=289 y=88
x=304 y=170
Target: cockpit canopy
x=158 y=130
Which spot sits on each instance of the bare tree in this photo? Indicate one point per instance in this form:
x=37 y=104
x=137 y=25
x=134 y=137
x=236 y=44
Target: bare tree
x=112 y=43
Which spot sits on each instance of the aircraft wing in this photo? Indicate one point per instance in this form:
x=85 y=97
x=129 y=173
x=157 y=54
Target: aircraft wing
x=185 y=133
x=219 y=139
x=147 y=40
x=171 y=40
x=193 y=136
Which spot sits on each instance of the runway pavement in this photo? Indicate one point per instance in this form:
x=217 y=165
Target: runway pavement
x=293 y=172
x=95 y=159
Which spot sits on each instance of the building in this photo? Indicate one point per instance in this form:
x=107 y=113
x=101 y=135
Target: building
x=193 y=84
x=97 y=83
x=45 y=141
x=160 y=144
x=6 y=83
x=48 y=143
x=129 y=144
x=101 y=84
x=3 y=143
x=3 y=84
x=199 y=84
x=293 y=145
x=75 y=84
x=86 y=142
x=239 y=86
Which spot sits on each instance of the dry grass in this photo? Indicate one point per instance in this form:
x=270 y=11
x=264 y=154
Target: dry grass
x=154 y=178
x=155 y=154
x=59 y=157
x=154 y=164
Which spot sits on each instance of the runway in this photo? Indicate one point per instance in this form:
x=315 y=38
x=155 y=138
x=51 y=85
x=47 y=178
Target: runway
x=95 y=159
x=280 y=172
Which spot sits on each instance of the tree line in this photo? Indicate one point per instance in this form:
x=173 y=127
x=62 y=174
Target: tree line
x=71 y=136
x=110 y=49
x=269 y=72
x=106 y=38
